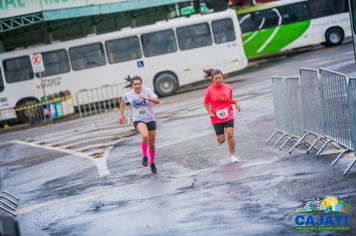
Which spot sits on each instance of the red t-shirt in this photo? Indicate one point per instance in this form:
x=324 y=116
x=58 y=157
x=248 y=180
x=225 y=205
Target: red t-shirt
x=219 y=98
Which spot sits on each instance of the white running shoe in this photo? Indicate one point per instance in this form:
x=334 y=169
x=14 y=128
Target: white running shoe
x=234 y=159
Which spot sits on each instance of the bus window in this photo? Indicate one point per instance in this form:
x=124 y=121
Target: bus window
x=321 y=8
x=248 y=22
x=125 y=49
x=267 y=18
x=158 y=43
x=88 y=56
x=194 y=36
x=1 y=82
x=55 y=62
x=294 y=13
x=18 y=69
x=223 y=31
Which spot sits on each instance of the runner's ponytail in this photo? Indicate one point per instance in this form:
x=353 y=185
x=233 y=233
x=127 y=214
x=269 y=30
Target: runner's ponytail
x=210 y=73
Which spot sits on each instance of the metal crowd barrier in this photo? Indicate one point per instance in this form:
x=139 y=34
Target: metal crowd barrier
x=312 y=107
x=100 y=103
x=8 y=201
x=352 y=108
x=337 y=111
x=278 y=107
x=288 y=114
x=321 y=104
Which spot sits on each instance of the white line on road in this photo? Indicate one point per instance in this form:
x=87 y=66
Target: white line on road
x=100 y=163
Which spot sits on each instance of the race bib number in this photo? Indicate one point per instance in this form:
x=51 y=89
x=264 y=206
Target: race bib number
x=222 y=113
x=142 y=112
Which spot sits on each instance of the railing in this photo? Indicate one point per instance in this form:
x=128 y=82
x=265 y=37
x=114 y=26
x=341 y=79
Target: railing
x=321 y=104
x=99 y=104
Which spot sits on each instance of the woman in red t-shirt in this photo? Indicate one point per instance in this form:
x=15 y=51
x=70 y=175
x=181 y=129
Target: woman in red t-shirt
x=218 y=102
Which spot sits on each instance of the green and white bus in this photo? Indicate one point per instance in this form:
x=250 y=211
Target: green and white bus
x=284 y=25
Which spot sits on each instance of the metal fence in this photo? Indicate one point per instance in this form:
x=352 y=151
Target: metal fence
x=287 y=122
x=33 y=112
x=312 y=108
x=99 y=104
x=321 y=103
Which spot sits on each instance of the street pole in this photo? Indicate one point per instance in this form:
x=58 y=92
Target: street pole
x=45 y=96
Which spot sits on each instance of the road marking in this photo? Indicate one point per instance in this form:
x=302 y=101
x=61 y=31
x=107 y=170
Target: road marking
x=100 y=163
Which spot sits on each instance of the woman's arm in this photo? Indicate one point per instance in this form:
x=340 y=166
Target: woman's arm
x=154 y=100
x=207 y=107
x=122 y=118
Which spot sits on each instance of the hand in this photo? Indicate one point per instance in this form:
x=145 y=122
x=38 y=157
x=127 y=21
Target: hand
x=237 y=105
x=143 y=98
x=212 y=115
x=122 y=119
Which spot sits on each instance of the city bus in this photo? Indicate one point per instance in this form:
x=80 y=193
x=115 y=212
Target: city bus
x=167 y=54
x=284 y=25
x=352 y=4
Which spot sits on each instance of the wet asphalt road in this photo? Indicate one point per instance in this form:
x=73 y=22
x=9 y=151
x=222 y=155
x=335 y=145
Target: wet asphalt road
x=65 y=190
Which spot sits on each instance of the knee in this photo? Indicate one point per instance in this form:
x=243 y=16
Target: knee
x=152 y=147
x=144 y=138
x=220 y=140
x=230 y=136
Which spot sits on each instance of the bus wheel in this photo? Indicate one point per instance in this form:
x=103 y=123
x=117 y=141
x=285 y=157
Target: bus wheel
x=165 y=84
x=24 y=116
x=334 y=36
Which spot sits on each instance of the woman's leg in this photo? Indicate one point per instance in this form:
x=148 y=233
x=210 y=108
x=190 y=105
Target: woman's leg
x=231 y=140
x=220 y=133
x=143 y=131
x=220 y=138
x=152 y=145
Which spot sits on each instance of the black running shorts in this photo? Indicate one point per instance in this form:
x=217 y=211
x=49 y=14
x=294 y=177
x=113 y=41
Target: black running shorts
x=220 y=127
x=150 y=125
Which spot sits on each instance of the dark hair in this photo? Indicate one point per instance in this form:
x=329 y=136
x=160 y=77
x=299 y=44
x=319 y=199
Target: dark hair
x=131 y=80
x=210 y=73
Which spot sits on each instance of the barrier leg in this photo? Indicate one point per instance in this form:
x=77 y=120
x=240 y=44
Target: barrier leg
x=313 y=144
x=284 y=135
x=298 y=142
x=322 y=148
x=7 y=204
x=274 y=133
x=339 y=156
x=7 y=198
x=285 y=142
x=11 y=195
x=7 y=210
x=349 y=167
